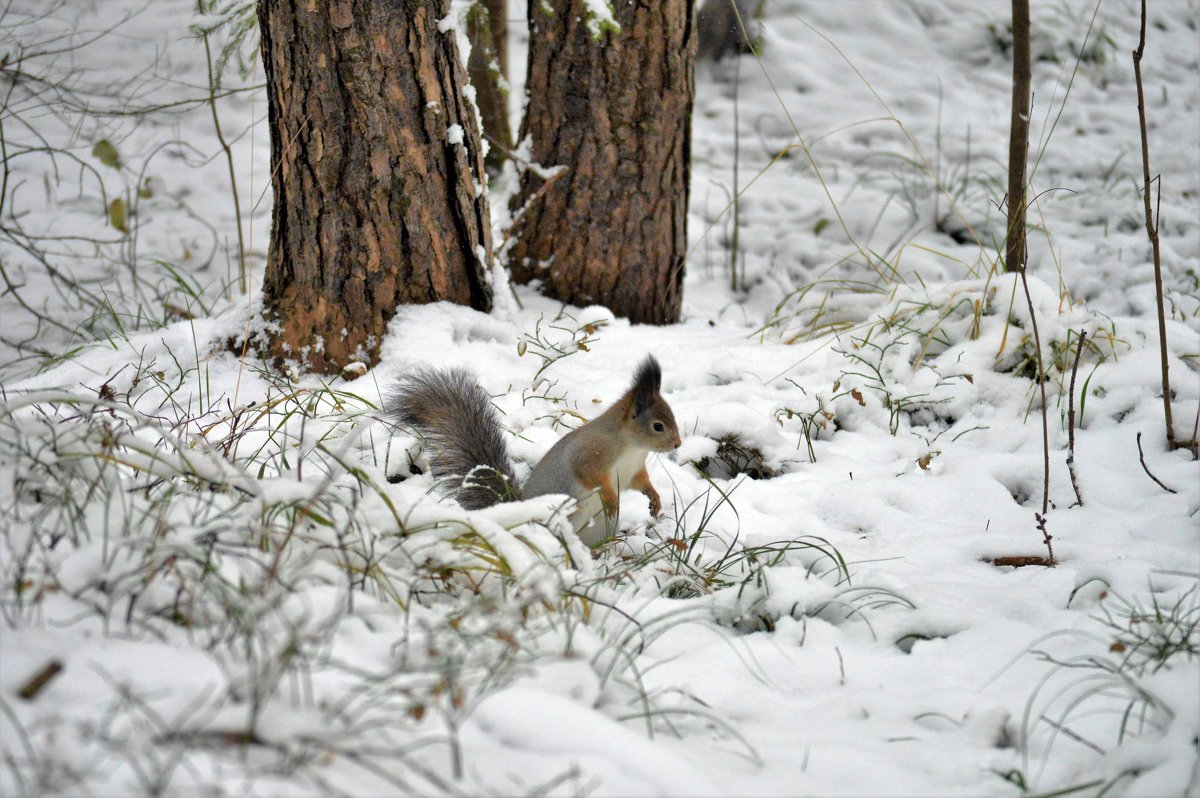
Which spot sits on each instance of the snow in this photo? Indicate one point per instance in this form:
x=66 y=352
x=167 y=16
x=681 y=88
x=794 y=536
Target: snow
x=244 y=601
x=600 y=17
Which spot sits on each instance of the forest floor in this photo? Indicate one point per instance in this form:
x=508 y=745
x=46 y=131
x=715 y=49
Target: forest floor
x=232 y=581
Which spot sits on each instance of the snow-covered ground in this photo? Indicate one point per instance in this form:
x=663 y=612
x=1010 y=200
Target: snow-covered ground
x=247 y=589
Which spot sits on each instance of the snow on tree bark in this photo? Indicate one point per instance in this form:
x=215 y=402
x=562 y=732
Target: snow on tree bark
x=487 y=29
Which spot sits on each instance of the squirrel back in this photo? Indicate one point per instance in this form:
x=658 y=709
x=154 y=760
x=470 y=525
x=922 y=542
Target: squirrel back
x=461 y=429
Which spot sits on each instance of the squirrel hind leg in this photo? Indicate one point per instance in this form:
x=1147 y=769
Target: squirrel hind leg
x=592 y=524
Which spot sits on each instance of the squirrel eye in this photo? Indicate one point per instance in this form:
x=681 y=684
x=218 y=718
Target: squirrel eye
x=658 y=426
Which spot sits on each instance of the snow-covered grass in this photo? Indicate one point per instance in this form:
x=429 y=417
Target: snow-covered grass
x=218 y=578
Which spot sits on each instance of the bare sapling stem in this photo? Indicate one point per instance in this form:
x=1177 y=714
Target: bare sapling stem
x=1152 y=232
x=1016 y=250
x=243 y=276
x=1018 y=138
x=1071 y=420
x=1041 y=378
x=737 y=142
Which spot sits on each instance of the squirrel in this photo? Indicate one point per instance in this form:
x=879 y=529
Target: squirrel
x=591 y=464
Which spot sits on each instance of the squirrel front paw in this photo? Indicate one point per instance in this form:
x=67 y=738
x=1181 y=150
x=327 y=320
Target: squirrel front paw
x=655 y=502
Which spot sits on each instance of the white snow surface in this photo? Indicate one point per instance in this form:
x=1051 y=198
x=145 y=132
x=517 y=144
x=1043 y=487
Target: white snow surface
x=190 y=537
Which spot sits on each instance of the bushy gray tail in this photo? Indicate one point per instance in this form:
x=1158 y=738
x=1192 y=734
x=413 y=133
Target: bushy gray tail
x=461 y=429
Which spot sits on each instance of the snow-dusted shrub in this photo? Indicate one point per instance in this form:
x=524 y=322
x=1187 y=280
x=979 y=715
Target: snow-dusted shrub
x=261 y=541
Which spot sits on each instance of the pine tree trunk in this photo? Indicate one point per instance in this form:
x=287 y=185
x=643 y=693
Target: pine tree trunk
x=487 y=28
x=1018 y=139
x=376 y=170
x=613 y=108
x=720 y=24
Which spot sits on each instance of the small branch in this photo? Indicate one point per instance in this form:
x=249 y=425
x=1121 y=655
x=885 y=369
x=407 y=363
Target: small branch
x=1020 y=561
x=1071 y=420
x=40 y=679
x=1046 y=538
x=507 y=152
x=1146 y=468
x=547 y=182
x=1152 y=233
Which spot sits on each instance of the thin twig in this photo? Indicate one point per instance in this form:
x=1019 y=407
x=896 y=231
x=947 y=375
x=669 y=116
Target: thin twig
x=737 y=143
x=243 y=276
x=274 y=169
x=1041 y=378
x=1046 y=538
x=1146 y=468
x=1152 y=232
x=1071 y=421
x=40 y=679
x=547 y=182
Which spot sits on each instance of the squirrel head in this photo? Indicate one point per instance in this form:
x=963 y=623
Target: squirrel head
x=650 y=416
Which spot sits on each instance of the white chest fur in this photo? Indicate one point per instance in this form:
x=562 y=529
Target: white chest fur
x=627 y=467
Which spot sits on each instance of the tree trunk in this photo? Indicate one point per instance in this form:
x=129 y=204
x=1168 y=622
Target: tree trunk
x=376 y=170
x=614 y=108
x=487 y=28
x=1018 y=140
x=726 y=26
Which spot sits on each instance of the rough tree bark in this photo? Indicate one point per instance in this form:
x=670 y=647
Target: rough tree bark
x=614 y=108
x=487 y=29
x=376 y=170
x=1018 y=139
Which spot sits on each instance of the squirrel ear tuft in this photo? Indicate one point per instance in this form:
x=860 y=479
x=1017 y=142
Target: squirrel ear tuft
x=646 y=382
